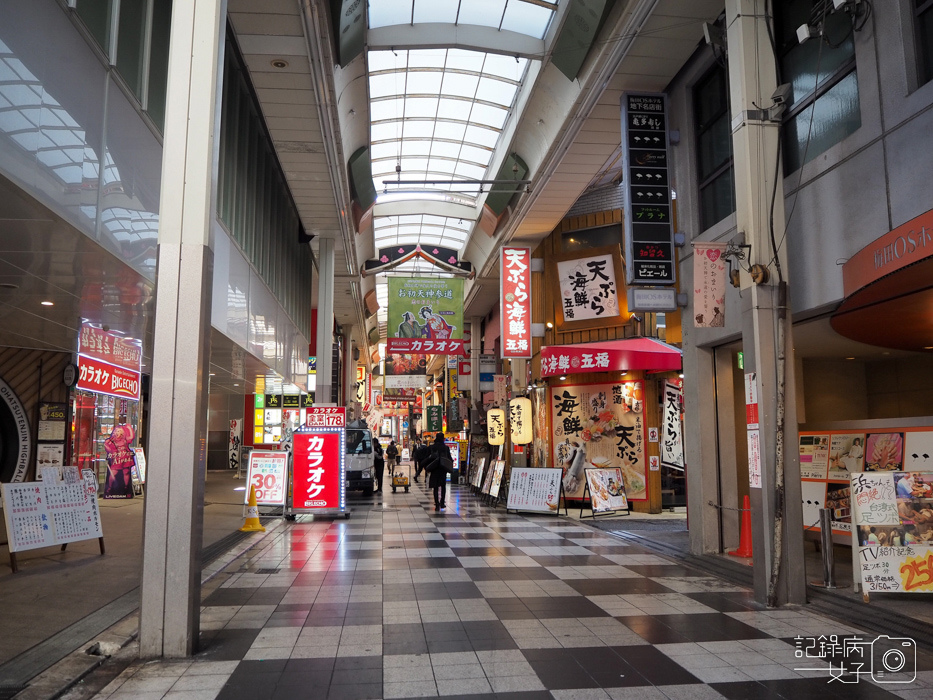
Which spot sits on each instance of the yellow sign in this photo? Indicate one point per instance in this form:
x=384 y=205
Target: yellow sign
x=495 y=426
x=520 y=421
x=258 y=417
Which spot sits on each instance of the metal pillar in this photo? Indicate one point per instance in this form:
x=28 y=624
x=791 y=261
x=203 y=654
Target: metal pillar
x=476 y=347
x=325 y=320
x=174 y=516
x=777 y=532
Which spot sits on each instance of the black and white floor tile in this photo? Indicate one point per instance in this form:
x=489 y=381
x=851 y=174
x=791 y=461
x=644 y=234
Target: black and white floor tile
x=402 y=602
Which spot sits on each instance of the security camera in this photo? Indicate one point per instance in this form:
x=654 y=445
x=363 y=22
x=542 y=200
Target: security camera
x=805 y=32
x=781 y=94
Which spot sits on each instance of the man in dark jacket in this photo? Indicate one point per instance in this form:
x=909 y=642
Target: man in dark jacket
x=422 y=452
x=378 y=464
x=437 y=464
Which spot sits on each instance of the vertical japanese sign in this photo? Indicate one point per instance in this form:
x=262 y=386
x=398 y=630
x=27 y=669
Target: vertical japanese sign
x=435 y=421
x=520 y=420
x=649 y=244
x=542 y=446
x=895 y=549
x=671 y=440
x=709 y=285
x=515 y=302
x=425 y=315
x=362 y=385
x=602 y=426
x=319 y=469
x=495 y=426
x=500 y=389
x=588 y=288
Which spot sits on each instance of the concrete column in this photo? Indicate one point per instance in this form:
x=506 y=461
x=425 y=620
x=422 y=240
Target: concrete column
x=766 y=336
x=174 y=516
x=325 y=320
x=349 y=367
x=476 y=347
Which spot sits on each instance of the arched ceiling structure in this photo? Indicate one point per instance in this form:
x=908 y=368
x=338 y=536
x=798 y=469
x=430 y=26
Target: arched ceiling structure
x=442 y=95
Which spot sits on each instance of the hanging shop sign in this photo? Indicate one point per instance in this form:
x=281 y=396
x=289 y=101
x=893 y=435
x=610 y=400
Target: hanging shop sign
x=515 y=302
x=892 y=533
x=362 y=385
x=520 y=421
x=465 y=368
x=435 y=420
x=495 y=426
x=709 y=285
x=671 y=441
x=500 y=389
x=425 y=315
x=536 y=490
x=589 y=288
x=649 y=235
x=405 y=371
x=319 y=469
x=326 y=417
x=109 y=347
x=602 y=426
x=102 y=378
x=268 y=474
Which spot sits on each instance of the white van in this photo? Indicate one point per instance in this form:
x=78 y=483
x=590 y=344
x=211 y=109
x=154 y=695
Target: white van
x=361 y=472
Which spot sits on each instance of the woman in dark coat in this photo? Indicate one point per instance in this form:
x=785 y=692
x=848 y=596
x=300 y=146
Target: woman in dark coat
x=438 y=473
x=378 y=464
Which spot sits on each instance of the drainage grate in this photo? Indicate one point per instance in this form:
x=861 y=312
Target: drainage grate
x=266 y=571
x=8 y=691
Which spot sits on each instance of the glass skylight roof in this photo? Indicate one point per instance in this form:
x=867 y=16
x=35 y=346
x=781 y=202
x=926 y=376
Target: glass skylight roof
x=421 y=228
x=511 y=15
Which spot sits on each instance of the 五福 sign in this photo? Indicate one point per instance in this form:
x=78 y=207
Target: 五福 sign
x=515 y=302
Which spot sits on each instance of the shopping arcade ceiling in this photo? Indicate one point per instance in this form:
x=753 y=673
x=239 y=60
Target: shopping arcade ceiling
x=566 y=131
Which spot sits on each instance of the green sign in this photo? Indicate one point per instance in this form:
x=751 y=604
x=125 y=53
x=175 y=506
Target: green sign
x=259 y=401
x=435 y=420
x=741 y=360
x=425 y=307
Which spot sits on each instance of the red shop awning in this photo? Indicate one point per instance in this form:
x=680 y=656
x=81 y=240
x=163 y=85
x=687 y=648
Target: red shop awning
x=609 y=356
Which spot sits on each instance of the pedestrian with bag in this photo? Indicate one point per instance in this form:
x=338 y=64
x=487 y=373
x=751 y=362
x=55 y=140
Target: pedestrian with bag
x=438 y=465
x=422 y=452
x=379 y=464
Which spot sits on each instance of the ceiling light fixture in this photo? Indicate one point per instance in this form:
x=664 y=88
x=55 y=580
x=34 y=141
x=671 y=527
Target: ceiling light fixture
x=563 y=378
x=48 y=303
x=279 y=63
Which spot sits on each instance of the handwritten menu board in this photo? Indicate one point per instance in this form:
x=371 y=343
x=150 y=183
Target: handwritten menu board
x=893 y=519
x=42 y=514
x=534 y=489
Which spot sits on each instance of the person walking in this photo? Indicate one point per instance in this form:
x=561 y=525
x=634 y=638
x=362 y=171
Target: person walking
x=392 y=455
x=420 y=456
x=437 y=465
x=379 y=464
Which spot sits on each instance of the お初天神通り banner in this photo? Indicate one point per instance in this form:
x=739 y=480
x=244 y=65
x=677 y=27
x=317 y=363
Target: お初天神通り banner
x=425 y=315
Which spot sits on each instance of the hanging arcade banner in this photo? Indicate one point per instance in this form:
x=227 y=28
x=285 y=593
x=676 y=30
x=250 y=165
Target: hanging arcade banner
x=671 y=440
x=515 y=302
x=362 y=384
x=425 y=315
x=405 y=372
x=588 y=288
x=541 y=445
x=709 y=285
x=601 y=426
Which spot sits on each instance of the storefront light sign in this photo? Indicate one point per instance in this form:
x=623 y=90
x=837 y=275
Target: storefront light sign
x=515 y=302
x=102 y=378
x=495 y=426
x=520 y=420
x=319 y=469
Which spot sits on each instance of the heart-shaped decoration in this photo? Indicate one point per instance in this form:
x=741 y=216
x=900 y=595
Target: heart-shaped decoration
x=713 y=254
x=698 y=291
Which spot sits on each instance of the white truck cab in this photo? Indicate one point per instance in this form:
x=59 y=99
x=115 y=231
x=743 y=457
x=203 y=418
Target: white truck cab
x=361 y=473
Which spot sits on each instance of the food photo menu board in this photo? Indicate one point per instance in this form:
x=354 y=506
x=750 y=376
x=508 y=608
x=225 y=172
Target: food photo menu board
x=606 y=489
x=893 y=517
x=829 y=458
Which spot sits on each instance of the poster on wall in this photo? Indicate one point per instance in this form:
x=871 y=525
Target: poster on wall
x=884 y=452
x=893 y=519
x=846 y=454
x=601 y=426
x=52 y=422
x=425 y=314
x=121 y=460
x=671 y=441
x=607 y=492
x=405 y=371
x=49 y=455
x=536 y=490
x=918 y=451
x=814 y=456
x=541 y=445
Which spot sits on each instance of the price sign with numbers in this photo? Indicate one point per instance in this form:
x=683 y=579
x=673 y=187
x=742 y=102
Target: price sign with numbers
x=267 y=472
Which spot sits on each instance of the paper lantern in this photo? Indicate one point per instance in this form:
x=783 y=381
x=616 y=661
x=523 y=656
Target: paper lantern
x=495 y=426
x=520 y=420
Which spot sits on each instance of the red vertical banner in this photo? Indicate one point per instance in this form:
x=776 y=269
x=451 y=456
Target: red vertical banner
x=515 y=302
x=318 y=474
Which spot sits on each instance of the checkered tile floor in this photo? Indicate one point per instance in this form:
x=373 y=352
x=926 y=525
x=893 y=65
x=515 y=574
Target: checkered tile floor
x=403 y=602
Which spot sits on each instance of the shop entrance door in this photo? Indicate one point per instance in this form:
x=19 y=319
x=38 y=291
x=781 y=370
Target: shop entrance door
x=732 y=441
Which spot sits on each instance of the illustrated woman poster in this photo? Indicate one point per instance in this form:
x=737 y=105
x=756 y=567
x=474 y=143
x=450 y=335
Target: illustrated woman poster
x=120 y=462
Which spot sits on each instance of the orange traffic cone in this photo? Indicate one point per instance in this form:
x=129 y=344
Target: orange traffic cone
x=252 y=514
x=745 y=534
